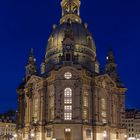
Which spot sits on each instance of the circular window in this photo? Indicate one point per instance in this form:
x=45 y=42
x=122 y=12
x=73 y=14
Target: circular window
x=68 y=75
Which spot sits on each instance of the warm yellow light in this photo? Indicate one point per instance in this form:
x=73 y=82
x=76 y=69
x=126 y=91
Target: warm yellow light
x=125 y=136
x=104 y=134
x=67 y=130
x=32 y=134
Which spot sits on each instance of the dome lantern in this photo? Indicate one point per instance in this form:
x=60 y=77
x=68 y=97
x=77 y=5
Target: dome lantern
x=70 y=11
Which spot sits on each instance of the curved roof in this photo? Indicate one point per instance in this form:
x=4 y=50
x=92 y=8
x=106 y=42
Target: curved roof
x=80 y=33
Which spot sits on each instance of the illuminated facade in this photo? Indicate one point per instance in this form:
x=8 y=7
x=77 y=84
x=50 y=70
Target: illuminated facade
x=71 y=99
x=132 y=122
x=7 y=128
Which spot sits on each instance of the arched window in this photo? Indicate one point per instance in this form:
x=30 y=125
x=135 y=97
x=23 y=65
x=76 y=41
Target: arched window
x=68 y=104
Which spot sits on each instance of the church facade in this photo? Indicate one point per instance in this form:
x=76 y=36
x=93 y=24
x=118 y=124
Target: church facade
x=71 y=99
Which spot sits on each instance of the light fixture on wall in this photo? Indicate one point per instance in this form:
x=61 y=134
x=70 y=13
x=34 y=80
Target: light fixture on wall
x=104 y=134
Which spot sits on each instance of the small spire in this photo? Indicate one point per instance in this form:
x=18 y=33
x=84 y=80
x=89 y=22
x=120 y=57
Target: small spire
x=111 y=68
x=31 y=67
x=32 y=52
x=32 y=59
x=110 y=57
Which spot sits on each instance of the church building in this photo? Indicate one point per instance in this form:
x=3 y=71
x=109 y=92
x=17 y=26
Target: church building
x=71 y=99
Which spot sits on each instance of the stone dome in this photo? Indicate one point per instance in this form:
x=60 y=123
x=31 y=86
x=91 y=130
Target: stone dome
x=84 y=43
x=80 y=32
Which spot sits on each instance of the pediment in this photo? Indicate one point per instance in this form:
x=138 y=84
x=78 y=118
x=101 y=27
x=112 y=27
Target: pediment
x=105 y=81
x=34 y=79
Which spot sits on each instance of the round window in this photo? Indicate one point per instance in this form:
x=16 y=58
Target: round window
x=68 y=75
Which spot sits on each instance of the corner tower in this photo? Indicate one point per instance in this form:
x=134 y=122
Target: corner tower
x=70 y=99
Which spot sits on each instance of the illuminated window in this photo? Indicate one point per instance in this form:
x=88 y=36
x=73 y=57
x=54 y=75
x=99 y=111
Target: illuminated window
x=68 y=104
x=68 y=75
x=68 y=116
x=68 y=96
x=85 y=105
x=103 y=103
x=36 y=107
x=68 y=108
x=85 y=101
x=85 y=114
x=103 y=112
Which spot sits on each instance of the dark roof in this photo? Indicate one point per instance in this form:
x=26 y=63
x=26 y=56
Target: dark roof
x=132 y=113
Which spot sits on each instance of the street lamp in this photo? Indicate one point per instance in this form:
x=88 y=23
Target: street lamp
x=15 y=136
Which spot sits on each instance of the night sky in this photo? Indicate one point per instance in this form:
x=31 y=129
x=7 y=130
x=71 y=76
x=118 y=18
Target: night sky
x=26 y=24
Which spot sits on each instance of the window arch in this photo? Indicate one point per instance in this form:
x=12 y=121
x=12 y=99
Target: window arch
x=68 y=104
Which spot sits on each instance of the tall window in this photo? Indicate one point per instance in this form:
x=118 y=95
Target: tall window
x=103 y=112
x=103 y=103
x=85 y=105
x=36 y=101
x=68 y=104
x=85 y=101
